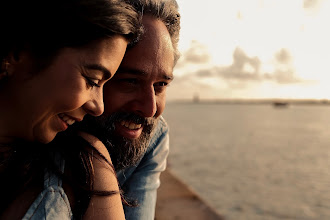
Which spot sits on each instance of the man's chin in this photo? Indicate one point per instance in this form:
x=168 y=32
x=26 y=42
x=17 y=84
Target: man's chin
x=126 y=152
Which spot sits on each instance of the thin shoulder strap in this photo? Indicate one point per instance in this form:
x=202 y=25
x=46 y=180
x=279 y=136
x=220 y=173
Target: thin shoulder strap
x=50 y=178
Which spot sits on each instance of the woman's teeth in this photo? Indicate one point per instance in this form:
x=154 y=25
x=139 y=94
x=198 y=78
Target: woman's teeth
x=67 y=120
x=130 y=125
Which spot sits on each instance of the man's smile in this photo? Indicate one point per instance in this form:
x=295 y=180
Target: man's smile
x=130 y=125
x=129 y=129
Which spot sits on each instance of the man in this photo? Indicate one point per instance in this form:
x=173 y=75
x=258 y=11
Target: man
x=132 y=127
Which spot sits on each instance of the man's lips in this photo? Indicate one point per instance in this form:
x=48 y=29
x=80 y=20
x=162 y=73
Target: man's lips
x=129 y=129
x=130 y=125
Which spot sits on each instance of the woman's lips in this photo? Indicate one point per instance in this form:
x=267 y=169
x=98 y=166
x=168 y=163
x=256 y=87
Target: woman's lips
x=67 y=119
x=62 y=123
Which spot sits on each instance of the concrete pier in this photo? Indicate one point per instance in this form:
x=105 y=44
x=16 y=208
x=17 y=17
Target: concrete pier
x=177 y=201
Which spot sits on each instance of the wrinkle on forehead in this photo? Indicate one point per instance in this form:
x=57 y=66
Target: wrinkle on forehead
x=153 y=54
x=156 y=32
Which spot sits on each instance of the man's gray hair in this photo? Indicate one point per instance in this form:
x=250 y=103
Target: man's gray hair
x=165 y=10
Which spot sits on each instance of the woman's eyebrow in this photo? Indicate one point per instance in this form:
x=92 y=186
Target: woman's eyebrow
x=106 y=73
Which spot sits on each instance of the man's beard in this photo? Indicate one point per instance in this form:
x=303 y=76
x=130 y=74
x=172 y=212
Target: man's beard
x=124 y=152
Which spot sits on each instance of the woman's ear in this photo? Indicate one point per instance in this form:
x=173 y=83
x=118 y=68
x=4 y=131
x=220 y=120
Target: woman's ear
x=8 y=64
x=18 y=61
x=14 y=57
x=4 y=69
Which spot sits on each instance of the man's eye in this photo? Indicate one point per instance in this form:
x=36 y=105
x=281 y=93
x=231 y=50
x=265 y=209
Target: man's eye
x=160 y=87
x=162 y=84
x=92 y=82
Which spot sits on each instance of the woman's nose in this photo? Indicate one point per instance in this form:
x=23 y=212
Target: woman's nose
x=95 y=106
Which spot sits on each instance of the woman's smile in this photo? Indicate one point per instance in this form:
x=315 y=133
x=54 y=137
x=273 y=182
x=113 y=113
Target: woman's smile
x=69 y=88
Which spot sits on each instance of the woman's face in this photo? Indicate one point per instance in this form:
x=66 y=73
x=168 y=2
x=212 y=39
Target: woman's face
x=69 y=88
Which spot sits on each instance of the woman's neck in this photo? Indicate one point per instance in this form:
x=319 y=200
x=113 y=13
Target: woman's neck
x=6 y=151
x=6 y=141
x=9 y=123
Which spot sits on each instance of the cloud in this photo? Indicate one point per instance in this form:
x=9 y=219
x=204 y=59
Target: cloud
x=310 y=4
x=284 y=71
x=242 y=68
x=196 y=54
x=312 y=7
x=283 y=56
x=245 y=69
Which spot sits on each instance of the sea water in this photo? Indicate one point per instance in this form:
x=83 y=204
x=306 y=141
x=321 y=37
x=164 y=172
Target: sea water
x=254 y=161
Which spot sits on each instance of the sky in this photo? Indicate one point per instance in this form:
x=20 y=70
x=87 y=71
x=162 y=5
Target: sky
x=254 y=49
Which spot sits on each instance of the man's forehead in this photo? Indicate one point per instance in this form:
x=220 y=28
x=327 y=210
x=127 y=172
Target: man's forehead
x=153 y=55
x=142 y=73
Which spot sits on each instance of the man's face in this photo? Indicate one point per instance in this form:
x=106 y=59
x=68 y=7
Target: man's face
x=139 y=86
x=135 y=97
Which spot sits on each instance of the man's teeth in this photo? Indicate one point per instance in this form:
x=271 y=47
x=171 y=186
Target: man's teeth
x=130 y=125
x=67 y=120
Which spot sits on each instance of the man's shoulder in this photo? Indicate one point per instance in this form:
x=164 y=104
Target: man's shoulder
x=160 y=131
x=162 y=125
x=162 y=121
x=155 y=155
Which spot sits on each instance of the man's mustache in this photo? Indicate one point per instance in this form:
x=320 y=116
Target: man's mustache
x=131 y=117
x=124 y=152
x=102 y=125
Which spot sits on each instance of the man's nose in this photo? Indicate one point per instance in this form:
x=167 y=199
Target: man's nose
x=146 y=103
x=95 y=105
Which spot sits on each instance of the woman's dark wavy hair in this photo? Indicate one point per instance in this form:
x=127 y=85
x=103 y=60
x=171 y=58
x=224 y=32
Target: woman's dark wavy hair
x=45 y=26
x=165 y=10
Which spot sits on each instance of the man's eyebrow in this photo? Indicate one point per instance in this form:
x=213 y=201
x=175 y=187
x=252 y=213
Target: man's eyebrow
x=106 y=73
x=168 y=76
x=133 y=71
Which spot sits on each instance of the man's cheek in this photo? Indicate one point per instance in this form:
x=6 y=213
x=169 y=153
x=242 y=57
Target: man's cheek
x=160 y=105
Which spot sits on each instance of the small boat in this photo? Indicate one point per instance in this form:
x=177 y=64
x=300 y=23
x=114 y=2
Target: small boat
x=280 y=104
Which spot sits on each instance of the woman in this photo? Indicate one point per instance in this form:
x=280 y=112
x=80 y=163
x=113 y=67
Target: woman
x=55 y=58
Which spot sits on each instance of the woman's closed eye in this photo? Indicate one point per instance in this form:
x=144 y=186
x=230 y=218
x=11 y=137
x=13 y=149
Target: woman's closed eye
x=91 y=82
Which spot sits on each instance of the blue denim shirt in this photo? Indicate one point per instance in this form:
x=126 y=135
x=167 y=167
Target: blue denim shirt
x=52 y=203
x=141 y=182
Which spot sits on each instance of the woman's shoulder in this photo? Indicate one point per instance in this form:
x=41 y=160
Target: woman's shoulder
x=107 y=205
x=97 y=145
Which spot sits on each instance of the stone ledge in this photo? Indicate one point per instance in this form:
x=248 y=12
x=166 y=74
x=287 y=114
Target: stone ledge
x=176 y=200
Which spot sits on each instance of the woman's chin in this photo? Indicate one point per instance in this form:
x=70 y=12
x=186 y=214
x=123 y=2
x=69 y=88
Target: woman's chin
x=46 y=138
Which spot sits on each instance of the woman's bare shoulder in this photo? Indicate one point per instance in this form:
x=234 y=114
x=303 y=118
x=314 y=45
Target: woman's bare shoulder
x=103 y=207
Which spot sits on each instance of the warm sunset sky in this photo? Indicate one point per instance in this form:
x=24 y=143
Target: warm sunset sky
x=253 y=49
